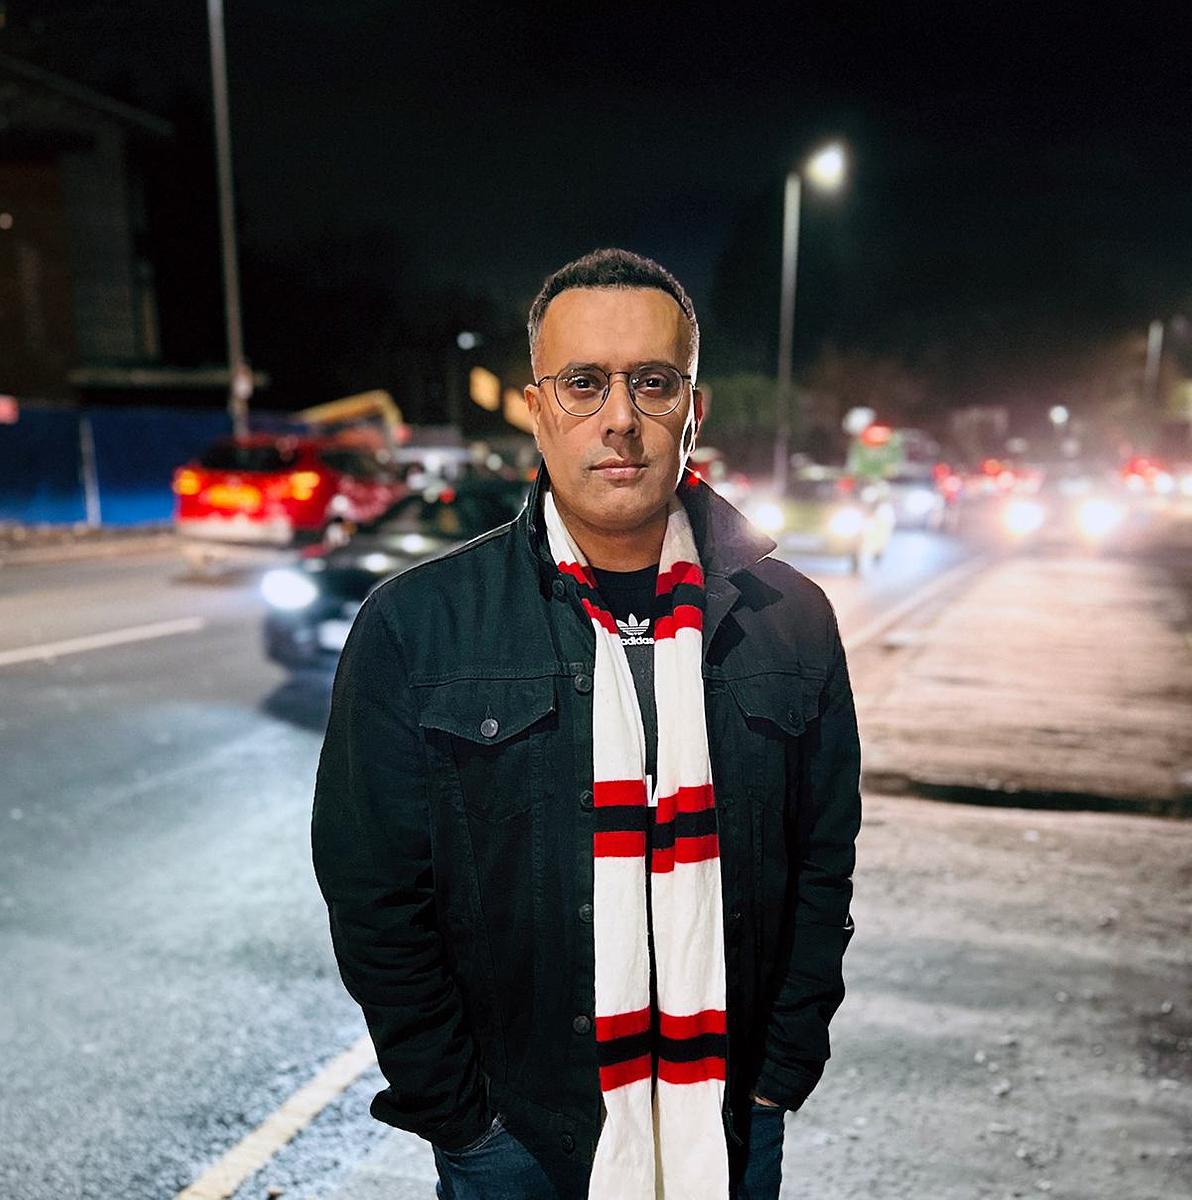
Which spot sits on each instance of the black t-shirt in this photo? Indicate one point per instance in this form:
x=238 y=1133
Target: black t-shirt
x=629 y=596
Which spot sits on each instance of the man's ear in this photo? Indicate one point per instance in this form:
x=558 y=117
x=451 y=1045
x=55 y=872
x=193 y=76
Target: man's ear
x=697 y=410
x=534 y=403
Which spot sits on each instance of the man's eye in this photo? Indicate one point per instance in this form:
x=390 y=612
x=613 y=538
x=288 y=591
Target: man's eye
x=579 y=383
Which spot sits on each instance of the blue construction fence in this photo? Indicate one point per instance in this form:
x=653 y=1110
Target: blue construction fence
x=136 y=451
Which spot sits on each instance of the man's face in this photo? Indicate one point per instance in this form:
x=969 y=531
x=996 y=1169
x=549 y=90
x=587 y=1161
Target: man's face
x=616 y=329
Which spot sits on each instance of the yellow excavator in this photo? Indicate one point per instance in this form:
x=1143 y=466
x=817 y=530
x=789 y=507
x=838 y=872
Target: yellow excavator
x=348 y=420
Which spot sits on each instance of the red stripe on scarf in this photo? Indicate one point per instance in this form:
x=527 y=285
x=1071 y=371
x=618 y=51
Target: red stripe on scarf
x=577 y=571
x=619 y=1074
x=685 y=850
x=685 y=800
x=684 y=616
x=689 y=1072
x=680 y=572
x=620 y=844
x=608 y=793
x=620 y=1025
x=601 y=616
x=711 y=1020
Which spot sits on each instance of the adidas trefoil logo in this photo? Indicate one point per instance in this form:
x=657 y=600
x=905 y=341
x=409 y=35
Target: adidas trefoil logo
x=635 y=632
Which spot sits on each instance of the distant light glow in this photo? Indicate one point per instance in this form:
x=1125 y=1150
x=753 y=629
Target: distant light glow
x=5 y=220
x=1058 y=414
x=920 y=501
x=288 y=589
x=1097 y=516
x=826 y=167
x=846 y=522
x=378 y=563
x=467 y=340
x=767 y=515
x=1022 y=517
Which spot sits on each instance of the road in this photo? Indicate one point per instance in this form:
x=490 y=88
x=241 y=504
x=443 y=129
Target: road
x=169 y=976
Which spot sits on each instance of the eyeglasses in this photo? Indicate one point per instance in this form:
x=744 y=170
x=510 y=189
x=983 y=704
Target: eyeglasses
x=655 y=389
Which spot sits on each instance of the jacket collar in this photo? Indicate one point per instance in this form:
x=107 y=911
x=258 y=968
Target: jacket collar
x=727 y=542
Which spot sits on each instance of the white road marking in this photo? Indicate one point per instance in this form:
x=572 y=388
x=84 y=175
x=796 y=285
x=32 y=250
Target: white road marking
x=255 y=1149
x=97 y=641
x=879 y=625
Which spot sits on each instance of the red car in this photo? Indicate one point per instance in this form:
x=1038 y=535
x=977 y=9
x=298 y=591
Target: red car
x=277 y=491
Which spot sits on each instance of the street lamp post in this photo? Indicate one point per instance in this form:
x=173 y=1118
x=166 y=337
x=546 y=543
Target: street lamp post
x=239 y=375
x=825 y=169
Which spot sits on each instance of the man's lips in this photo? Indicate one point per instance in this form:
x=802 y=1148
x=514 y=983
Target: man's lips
x=617 y=464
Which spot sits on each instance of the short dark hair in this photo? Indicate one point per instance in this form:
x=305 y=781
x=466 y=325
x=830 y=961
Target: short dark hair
x=611 y=268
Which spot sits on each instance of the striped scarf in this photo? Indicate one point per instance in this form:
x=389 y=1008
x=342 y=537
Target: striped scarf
x=662 y=1068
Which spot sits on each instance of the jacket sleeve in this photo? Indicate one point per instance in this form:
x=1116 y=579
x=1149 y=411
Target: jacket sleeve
x=370 y=837
x=827 y=812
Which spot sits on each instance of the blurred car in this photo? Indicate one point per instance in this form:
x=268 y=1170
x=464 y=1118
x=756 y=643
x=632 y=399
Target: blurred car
x=918 y=501
x=266 y=490
x=313 y=602
x=1076 y=505
x=828 y=511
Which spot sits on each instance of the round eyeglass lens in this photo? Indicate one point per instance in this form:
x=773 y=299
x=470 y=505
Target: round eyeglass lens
x=656 y=388
x=581 y=392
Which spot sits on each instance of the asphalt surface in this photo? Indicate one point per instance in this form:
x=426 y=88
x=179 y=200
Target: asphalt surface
x=169 y=980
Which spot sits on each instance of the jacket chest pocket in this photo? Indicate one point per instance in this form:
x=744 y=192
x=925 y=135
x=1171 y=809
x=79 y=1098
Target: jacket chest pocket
x=774 y=708
x=490 y=734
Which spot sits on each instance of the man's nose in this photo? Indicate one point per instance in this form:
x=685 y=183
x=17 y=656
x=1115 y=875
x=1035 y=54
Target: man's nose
x=619 y=412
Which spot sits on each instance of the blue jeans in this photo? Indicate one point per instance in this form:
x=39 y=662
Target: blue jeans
x=499 y=1167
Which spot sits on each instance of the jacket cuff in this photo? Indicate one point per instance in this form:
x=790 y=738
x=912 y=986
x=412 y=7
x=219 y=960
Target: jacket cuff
x=453 y=1134
x=788 y=1086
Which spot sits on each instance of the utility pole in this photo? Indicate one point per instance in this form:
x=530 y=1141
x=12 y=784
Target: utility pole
x=239 y=374
x=1154 y=356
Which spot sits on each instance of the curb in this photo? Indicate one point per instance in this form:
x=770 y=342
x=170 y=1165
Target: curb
x=36 y=551
x=1011 y=795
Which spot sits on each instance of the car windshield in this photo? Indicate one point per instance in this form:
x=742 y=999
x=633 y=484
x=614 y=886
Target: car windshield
x=228 y=456
x=458 y=515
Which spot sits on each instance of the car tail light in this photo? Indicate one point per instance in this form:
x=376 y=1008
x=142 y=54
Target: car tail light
x=187 y=482
x=302 y=485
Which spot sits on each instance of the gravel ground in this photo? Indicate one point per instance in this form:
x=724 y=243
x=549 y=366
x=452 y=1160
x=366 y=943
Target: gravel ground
x=1018 y=1019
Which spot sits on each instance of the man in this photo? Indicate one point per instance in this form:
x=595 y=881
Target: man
x=586 y=808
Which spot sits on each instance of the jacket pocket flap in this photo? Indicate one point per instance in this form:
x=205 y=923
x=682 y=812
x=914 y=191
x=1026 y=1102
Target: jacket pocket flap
x=779 y=697
x=486 y=711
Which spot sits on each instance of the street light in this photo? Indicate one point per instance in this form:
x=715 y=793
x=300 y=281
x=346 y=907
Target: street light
x=825 y=169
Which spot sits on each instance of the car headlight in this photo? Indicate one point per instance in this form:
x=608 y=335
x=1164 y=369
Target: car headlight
x=767 y=515
x=288 y=589
x=1021 y=517
x=1186 y=484
x=1097 y=516
x=846 y=522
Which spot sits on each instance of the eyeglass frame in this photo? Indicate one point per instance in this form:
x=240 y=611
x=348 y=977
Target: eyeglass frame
x=608 y=387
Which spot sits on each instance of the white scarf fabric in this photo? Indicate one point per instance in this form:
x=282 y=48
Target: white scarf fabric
x=662 y=1069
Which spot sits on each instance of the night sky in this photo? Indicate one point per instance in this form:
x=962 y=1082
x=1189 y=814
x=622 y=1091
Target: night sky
x=1020 y=192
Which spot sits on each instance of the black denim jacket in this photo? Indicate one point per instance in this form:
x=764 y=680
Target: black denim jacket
x=452 y=830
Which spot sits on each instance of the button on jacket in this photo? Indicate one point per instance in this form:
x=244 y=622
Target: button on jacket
x=453 y=821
